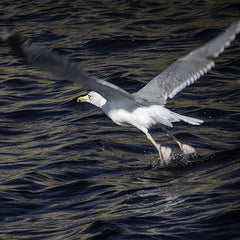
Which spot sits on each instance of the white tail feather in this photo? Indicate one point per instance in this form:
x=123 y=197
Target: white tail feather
x=190 y=120
x=165 y=116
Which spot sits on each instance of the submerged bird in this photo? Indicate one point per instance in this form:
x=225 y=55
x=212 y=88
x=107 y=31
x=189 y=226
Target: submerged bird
x=144 y=108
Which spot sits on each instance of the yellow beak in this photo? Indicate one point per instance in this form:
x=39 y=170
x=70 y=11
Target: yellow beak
x=81 y=99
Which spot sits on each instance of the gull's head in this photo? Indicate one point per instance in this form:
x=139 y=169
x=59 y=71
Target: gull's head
x=93 y=98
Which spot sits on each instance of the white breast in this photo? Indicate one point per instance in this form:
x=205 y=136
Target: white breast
x=142 y=118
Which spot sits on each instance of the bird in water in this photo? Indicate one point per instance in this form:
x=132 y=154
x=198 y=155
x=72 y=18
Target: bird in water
x=144 y=108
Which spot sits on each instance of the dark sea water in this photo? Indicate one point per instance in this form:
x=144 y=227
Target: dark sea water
x=68 y=172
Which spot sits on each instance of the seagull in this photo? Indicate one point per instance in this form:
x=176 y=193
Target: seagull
x=144 y=108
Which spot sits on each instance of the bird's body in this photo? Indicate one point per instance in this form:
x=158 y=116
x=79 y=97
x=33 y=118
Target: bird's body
x=142 y=117
x=144 y=108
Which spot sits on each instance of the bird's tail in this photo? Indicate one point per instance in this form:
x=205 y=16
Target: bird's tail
x=190 y=120
x=165 y=116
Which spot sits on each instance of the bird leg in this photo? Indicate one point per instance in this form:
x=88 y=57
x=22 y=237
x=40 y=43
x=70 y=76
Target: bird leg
x=185 y=148
x=164 y=152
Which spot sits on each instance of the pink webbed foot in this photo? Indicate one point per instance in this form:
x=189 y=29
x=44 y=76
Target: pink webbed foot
x=164 y=152
x=186 y=149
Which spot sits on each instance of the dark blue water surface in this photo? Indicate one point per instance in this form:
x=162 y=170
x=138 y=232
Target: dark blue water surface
x=68 y=172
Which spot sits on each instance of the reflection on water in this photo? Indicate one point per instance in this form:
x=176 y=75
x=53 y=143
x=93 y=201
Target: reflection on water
x=68 y=172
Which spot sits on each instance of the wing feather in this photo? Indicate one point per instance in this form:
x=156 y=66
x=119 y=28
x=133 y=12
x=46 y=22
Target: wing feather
x=186 y=70
x=50 y=61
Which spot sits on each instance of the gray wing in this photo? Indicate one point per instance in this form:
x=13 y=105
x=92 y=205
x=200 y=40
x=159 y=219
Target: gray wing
x=185 y=70
x=61 y=66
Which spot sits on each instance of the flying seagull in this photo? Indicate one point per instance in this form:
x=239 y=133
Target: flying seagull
x=144 y=108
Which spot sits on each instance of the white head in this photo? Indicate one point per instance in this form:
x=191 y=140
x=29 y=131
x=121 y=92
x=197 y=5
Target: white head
x=93 y=98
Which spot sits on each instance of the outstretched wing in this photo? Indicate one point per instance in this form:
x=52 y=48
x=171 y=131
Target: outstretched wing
x=185 y=70
x=48 y=60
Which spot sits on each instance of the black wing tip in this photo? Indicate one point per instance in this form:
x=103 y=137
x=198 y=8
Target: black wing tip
x=13 y=39
x=7 y=33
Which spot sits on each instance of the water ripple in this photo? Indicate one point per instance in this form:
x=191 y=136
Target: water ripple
x=68 y=172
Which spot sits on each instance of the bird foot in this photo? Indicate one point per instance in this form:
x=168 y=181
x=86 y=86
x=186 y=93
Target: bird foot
x=186 y=149
x=164 y=152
